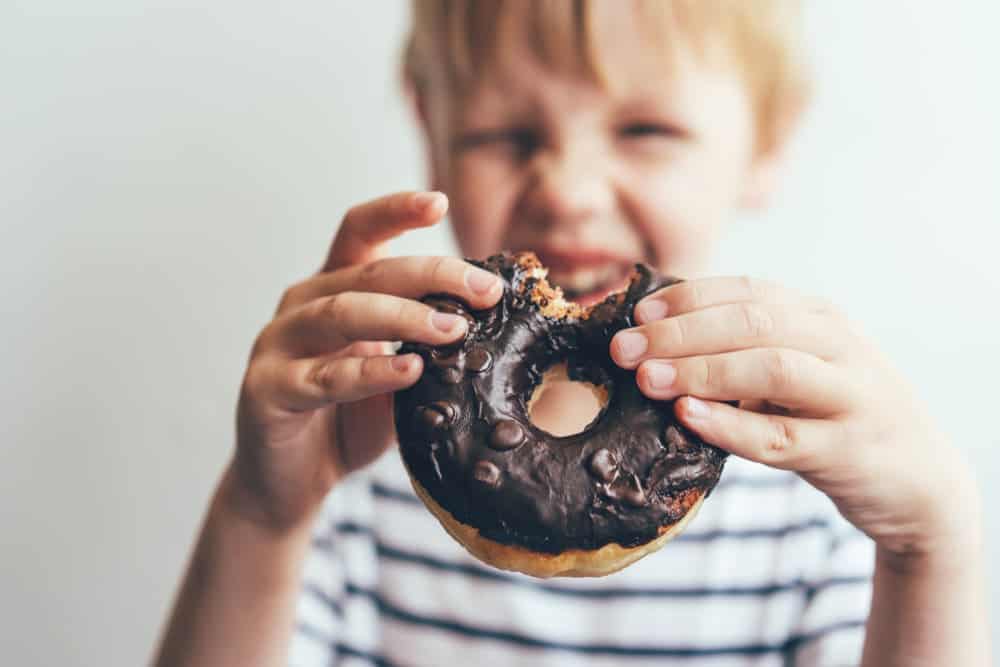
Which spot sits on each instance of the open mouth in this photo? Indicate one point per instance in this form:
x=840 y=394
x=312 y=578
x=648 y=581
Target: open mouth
x=591 y=284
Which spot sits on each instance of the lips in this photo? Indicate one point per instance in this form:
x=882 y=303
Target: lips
x=585 y=275
x=590 y=284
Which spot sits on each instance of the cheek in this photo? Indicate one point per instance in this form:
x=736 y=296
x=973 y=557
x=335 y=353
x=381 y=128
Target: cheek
x=482 y=195
x=684 y=248
x=682 y=205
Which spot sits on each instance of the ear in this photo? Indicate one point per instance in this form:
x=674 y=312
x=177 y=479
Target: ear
x=762 y=180
x=767 y=167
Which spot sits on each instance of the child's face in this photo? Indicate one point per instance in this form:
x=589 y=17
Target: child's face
x=594 y=180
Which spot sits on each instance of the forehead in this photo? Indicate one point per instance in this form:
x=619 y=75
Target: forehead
x=614 y=45
x=621 y=69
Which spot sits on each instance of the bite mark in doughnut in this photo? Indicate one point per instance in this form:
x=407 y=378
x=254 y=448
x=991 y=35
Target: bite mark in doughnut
x=517 y=496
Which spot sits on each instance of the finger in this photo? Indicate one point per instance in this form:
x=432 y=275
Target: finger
x=692 y=295
x=309 y=384
x=409 y=277
x=726 y=328
x=329 y=323
x=782 y=442
x=365 y=348
x=766 y=407
x=367 y=226
x=785 y=377
x=367 y=429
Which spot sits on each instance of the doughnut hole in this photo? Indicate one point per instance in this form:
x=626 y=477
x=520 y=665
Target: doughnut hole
x=563 y=407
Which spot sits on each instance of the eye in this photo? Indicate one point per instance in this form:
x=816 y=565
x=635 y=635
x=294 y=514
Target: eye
x=650 y=130
x=522 y=142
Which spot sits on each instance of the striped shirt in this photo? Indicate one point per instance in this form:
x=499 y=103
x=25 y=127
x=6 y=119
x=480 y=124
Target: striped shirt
x=767 y=574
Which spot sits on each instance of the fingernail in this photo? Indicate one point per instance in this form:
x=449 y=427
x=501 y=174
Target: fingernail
x=651 y=310
x=401 y=363
x=427 y=202
x=661 y=374
x=446 y=322
x=631 y=345
x=695 y=409
x=480 y=281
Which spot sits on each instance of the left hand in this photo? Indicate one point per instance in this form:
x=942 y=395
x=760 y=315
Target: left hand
x=814 y=396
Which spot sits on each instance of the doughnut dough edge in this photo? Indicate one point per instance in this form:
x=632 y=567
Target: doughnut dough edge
x=570 y=563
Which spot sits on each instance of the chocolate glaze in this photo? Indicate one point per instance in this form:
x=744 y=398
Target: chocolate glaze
x=465 y=435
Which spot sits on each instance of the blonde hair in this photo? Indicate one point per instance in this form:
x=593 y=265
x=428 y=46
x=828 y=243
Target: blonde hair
x=453 y=40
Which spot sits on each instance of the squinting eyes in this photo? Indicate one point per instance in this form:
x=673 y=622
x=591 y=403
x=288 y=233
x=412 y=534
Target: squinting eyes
x=650 y=130
x=523 y=142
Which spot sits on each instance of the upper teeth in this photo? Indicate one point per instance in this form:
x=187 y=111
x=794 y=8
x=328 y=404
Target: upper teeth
x=585 y=279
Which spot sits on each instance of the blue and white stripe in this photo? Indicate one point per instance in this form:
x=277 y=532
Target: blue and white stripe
x=767 y=574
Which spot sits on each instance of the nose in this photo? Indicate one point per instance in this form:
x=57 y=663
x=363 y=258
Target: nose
x=569 y=185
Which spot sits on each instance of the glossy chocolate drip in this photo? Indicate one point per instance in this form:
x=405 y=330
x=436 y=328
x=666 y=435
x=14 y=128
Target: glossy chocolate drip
x=465 y=435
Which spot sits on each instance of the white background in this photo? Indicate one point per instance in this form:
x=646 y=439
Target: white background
x=166 y=168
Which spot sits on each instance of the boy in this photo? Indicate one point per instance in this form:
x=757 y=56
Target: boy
x=597 y=134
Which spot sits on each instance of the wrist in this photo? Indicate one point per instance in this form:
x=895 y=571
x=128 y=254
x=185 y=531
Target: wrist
x=952 y=543
x=928 y=606
x=245 y=509
x=951 y=560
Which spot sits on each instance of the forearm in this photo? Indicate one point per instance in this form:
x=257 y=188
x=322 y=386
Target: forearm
x=237 y=602
x=929 y=611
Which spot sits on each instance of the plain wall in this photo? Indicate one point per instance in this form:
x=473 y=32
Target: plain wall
x=167 y=168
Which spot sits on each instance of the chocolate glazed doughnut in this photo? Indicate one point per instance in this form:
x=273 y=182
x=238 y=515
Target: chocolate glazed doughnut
x=523 y=499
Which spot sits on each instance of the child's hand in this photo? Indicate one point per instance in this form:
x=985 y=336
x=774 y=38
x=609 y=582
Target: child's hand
x=815 y=397
x=316 y=398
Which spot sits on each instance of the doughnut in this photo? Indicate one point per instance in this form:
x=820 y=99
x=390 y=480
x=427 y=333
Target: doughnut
x=516 y=496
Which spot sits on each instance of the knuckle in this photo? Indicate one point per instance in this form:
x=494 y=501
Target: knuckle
x=370 y=369
x=827 y=308
x=290 y=297
x=412 y=312
x=254 y=379
x=262 y=341
x=781 y=439
x=674 y=332
x=436 y=269
x=372 y=272
x=781 y=370
x=265 y=340
x=821 y=304
x=325 y=376
x=351 y=219
x=750 y=287
x=686 y=296
x=705 y=373
x=414 y=319
x=334 y=308
x=757 y=321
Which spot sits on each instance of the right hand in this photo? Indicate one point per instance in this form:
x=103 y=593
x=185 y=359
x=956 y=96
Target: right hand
x=316 y=399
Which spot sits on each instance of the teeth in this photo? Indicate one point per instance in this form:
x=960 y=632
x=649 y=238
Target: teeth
x=585 y=280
